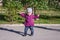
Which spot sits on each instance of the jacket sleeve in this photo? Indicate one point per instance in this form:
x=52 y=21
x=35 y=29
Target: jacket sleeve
x=22 y=14
x=36 y=16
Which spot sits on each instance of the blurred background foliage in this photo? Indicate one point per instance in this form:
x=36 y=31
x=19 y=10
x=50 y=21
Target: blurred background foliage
x=46 y=8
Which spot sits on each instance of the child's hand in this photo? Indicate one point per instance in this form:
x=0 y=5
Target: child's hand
x=21 y=12
x=38 y=15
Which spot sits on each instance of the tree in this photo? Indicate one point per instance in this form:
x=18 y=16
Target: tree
x=12 y=8
x=54 y=4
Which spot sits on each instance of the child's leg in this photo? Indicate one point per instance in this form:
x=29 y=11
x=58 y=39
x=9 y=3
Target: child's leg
x=32 y=30
x=25 y=30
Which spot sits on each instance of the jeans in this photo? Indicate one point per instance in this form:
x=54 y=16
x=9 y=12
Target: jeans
x=26 y=29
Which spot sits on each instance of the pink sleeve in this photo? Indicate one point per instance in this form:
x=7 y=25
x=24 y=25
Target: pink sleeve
x=22 y=14
x=35 y=16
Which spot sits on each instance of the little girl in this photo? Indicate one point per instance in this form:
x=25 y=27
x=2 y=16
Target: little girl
x=29 y=21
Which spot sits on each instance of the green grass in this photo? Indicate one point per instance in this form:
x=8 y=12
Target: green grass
x=40 y=21
x=48 y=21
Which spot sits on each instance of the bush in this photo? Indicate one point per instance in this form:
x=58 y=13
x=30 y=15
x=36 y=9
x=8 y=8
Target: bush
x=12 y=8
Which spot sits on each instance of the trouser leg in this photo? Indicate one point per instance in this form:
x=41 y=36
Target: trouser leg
x=32 y=30
x=25 y=30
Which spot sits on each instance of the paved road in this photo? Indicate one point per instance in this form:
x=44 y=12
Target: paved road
x=41 y=32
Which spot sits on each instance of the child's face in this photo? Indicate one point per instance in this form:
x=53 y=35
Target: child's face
x=29 y=13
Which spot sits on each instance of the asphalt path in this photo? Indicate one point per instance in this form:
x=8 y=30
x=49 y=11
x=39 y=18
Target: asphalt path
x=41 y=32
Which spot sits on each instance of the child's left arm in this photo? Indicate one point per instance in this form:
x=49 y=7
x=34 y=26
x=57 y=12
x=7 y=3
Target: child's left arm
x=36 y=16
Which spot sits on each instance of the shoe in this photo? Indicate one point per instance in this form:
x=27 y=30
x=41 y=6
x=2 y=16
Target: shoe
x=30 y=34
x=24 y=35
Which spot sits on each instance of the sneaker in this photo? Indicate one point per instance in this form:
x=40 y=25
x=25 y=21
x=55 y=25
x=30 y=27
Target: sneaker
x=24 y=35
x=30 y=34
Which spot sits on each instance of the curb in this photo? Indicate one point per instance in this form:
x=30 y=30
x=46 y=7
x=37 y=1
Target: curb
x=34 y=24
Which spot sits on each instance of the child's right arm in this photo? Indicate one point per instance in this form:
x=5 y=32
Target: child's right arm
x=22 y=14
